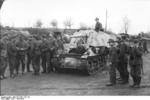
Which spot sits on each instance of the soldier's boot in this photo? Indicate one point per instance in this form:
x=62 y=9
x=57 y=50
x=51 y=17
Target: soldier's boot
x=4 y=77
x=44 y=69
x=37 y=70
x=17 y=70
x=44 y=66
x=134 y=82
x=53 y=66
x=1 y=77
x=49 y=66
x=34 y=69
x=28 y=64
x=126 y=73
x=11 y=67
x=125 y=80
x=23 y=64
x=120 y=79
x=3 y=74
x=48 y=69
x=112 y=81
x=23 y=68
x=28 y=67
x=138 y=81
x=12 y=73
x=17 y=66
x=37 y=66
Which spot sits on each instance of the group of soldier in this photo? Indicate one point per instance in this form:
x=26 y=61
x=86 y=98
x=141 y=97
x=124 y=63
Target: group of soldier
x=124 y=53
x=40 y=51
x=19 y=51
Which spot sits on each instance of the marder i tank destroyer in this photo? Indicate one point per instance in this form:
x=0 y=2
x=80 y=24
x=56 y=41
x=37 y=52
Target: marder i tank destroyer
x=87 y=51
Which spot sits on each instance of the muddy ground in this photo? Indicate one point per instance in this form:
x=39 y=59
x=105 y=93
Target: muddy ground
x=73 y=83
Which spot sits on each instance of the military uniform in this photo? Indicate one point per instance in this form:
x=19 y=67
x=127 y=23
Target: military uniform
x=29 y=54
x=98 y=27
x=21 y=46
x=45 y=53
x=53 y=47
x=123 y=62
x=113 y=57
x=12 y=56
x=3 y=59
x=135 y=62
x=36 y=52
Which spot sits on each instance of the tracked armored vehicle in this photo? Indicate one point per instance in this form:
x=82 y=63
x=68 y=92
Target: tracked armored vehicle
x=87 y=51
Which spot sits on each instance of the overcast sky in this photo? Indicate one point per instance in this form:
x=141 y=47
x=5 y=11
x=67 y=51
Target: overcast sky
x=20 y=13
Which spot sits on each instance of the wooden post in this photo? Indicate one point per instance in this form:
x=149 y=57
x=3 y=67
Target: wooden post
x=106 y=21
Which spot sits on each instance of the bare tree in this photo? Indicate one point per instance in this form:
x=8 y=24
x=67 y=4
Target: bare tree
x=126 y=24
x=54 y=23
x=68 y=23
x=38 y=24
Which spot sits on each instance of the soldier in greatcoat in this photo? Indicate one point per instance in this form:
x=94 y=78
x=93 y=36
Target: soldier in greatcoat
x=123 y=62
x=12 y=56
x=29 y=53
x=113 y=61
x=22 y=47
x=45 y=54
x=36 y=55
x=135 y=62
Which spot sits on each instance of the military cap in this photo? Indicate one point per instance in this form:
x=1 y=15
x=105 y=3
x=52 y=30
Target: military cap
x=135 y=41
x=111 y=41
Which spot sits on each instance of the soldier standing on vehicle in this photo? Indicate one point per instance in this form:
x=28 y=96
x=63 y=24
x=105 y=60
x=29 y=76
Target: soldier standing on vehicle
x=135 y=62
x=98 y=25
x=22 y=47
x=113 y=60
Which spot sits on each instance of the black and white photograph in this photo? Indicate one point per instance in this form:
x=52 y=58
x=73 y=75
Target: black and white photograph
x=74 y=48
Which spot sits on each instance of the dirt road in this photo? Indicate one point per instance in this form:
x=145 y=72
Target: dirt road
x=72 y=83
